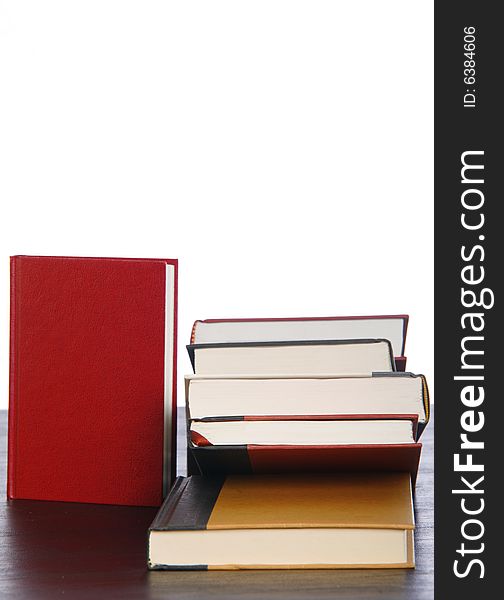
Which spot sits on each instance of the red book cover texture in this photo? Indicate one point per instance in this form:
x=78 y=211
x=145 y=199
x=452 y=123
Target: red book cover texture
x=225 y=460
x=90 y=343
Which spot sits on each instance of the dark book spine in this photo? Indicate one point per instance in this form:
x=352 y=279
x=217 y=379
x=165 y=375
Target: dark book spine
x=166 y=511
x=218 y=461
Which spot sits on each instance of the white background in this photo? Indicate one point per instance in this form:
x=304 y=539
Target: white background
x=282 y=150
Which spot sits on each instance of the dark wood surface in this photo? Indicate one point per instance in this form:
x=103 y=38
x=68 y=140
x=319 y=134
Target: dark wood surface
x=55 y=550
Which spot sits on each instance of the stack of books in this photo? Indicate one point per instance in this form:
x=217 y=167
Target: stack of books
x=302 y=448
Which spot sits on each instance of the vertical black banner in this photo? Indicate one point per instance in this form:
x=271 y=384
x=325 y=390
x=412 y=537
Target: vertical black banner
x=469 y=355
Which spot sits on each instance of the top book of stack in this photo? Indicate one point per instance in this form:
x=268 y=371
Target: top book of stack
x=230 y=331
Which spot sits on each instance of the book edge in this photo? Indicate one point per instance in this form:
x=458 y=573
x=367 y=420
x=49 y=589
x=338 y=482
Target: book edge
x=403 y=317
x=191 y=348
x=12 y=418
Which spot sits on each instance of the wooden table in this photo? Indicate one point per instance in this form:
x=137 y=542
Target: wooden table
x=64 y=550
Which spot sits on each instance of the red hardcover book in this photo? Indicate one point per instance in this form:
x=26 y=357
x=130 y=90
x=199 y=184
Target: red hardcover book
x=245 y=459
x=208 y=459
x=92 y=379
x=391 y=327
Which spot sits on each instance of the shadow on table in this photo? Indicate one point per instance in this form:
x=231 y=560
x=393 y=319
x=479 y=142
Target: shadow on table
x=79 y=550
x=90 y=551
x=293 y=584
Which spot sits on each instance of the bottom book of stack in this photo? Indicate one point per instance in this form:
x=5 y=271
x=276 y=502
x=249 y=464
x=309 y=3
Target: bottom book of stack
x=312 y=521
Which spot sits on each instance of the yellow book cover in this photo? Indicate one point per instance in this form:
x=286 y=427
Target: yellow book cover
x=314 y=521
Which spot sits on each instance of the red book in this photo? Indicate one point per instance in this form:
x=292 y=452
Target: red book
x=246 y=459
x=92 y=379
x=389 y=327
x=241 y=458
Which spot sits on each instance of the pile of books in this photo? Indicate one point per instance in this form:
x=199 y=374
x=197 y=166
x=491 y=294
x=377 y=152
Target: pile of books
x=302 y=434
x=302 y=448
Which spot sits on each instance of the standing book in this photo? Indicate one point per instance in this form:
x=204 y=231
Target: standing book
x=92 y=379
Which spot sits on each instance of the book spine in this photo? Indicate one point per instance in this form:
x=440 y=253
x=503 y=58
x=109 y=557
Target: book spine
x=400 y=363
x=12 y=433
x=426 y=398
x=190 y=352
x=405 y=333
x=163 y=516
x=193 y=332
x=173 y=465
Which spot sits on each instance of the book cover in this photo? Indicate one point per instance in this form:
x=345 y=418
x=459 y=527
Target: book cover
x=92 y=379
x=285 y=521
x=259 y=459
